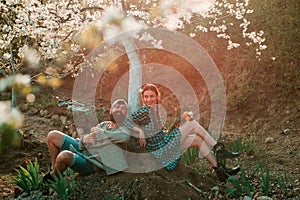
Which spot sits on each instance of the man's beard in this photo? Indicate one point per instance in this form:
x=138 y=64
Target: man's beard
x=117 y=117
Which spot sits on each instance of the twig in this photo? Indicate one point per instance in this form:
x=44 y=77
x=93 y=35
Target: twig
x=193 y=186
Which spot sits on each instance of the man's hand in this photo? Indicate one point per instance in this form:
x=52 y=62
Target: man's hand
x=91 y=137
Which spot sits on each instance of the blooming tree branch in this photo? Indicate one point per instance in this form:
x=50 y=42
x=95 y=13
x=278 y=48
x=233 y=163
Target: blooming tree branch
x=53 y=25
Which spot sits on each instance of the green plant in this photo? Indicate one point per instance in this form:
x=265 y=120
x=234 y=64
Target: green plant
x=71 y=183
x=281 y=181
x=236 y=189
x=203 y=167
x=264 y=175
x=62 y=185
x=247 y=186
x=246 y=145
x=189 y=156
x=241 y=187
x=9 y=136
x=45 y=100
x=265 y=180
x=28 y=179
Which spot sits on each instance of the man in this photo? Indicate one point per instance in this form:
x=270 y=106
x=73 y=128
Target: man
x=98 y=149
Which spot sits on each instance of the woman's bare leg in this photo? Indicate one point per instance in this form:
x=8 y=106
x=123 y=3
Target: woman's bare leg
x=190 y=127
x=196 y=141
x=54 y=140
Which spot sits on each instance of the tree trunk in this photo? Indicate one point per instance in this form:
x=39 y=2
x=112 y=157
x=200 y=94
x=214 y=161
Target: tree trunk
x=135 y=75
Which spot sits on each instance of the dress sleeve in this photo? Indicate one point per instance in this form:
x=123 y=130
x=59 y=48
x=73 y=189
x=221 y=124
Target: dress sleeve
x=138 y=118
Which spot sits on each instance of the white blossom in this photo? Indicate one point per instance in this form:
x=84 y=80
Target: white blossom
x=192 y=35
x=45 y=21
x=31 y=56
x=22 y=79
x=6 y=56
x=10 y=116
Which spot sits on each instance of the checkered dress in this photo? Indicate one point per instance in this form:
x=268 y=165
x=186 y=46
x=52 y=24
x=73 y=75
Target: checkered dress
x=165 y=147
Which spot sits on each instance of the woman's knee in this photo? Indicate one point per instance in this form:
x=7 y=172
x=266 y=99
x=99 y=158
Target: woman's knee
x=198 y=141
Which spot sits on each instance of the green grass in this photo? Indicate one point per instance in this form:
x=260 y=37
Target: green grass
x=190 y=155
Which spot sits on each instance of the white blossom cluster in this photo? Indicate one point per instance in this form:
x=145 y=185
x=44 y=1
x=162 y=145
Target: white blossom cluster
x=51 y=24
x=225 y=15
x=10 y=116
x=18 y=79
x=56 y=23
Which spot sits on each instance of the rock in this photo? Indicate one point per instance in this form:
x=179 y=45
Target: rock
x=247 y=198
x=63 y=120
x=257 y=194
x=73 y=132
x=215 y=188
x=43 y=113
x=33 y=111
x=269 y=140
x=54 y=117
x=286 y=131
x=40 y=155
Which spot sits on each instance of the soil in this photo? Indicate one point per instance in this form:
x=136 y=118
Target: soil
x=273 y=129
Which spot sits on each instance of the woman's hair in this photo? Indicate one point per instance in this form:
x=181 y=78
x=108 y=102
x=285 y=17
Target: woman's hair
x=151 y=87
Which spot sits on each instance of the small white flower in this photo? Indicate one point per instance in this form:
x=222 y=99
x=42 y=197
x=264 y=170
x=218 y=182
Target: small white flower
x=157 y=44
x=192 y=35
x=146 y=37
x=22 y=79
x=6 y=56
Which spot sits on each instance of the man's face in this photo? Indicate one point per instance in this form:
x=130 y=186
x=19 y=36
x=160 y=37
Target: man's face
x=120 y=107
x=118 y=113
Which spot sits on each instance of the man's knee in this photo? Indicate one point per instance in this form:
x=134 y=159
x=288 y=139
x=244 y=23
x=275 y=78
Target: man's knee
x=54 y=137
x=65 y=157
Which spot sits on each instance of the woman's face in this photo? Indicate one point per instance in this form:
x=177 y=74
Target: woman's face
x=149 y=98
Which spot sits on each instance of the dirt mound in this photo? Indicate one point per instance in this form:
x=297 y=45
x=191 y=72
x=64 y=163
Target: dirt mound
x=181 y=183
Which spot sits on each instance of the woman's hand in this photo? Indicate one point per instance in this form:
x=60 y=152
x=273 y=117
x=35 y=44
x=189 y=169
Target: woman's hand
x=142 y=138
x=188 y=116
x=141 y=134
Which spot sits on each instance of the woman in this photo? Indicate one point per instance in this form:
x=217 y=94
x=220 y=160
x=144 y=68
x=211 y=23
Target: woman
x=167 y=148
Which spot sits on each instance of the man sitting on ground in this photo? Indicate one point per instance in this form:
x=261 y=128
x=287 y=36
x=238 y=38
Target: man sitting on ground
x=97 y=149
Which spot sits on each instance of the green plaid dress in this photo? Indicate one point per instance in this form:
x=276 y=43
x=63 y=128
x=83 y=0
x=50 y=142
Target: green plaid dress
x=165 y=147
